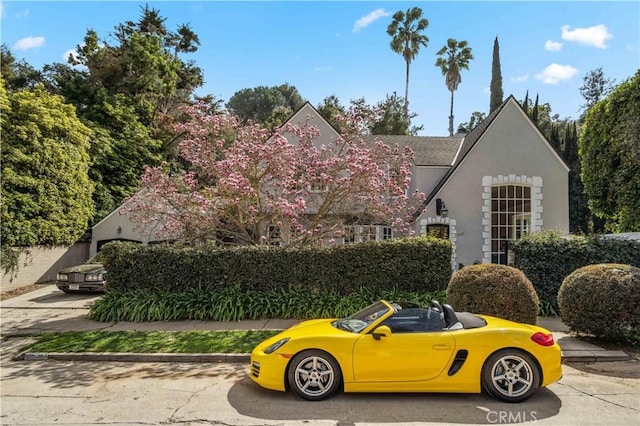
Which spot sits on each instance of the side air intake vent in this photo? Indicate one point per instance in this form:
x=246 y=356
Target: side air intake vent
x=458 y=361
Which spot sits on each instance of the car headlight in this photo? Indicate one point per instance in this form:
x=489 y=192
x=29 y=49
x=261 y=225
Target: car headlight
x=62 y=277
x=277 y=345
x=93 y=277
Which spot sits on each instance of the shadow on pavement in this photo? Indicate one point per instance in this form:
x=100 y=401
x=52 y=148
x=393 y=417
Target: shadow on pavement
x=68 y=374
x=622 y=369
x=251 y=400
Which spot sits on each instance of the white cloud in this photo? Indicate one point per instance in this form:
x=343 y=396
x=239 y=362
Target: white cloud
x=487 y=90
x=369 y=19
x=520 y=78
x=593 y=36
x=323 y=68
x=555 y=73
x=1 y=10
x=29 y=43
x=552 y=46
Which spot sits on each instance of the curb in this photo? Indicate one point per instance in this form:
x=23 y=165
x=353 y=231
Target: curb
x=135 y=357
x=568 y=356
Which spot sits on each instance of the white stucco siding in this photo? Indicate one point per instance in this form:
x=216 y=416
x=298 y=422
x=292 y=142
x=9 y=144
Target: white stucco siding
x=118 y=227
x=510 y=147
x=425 y=178
x=307 y=115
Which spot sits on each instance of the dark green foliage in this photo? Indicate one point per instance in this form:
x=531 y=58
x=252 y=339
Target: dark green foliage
x=260 y=104
x=496 y=79
x=234 y=303
x=46 y=191
x=611 y=159
x=603 y=300
x=497 y=290
x=414 y=264
x=547 y=258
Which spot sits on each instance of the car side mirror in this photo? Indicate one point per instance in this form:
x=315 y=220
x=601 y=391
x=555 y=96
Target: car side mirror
x=382 y=331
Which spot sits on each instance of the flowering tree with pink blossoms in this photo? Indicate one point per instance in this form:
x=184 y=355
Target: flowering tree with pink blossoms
x=246 y=185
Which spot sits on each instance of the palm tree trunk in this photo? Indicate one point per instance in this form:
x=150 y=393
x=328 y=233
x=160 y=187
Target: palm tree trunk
x=406 y=94
x=451 y=116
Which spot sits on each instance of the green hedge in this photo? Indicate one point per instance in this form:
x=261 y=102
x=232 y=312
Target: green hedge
x=546 y=258
x=410 y=264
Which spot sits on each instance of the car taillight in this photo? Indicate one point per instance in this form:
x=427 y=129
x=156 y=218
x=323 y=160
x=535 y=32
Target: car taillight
x=543 y=339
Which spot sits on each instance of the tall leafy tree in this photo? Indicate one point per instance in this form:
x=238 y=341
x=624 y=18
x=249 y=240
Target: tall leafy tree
x=453 y=57
x=129 y=92
x=330 y=109
x=46 y=191
x=610 y=153
x=595 y=87
x=476 y=118
x=264 y=104
x=496 y=78
x=406 y=31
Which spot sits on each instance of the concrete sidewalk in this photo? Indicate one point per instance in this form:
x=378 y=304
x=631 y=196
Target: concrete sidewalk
x=48 y=310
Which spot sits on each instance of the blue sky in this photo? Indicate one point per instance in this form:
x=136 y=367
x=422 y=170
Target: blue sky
x=341 y=48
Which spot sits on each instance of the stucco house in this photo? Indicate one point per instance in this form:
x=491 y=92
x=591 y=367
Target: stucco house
x=497 y=183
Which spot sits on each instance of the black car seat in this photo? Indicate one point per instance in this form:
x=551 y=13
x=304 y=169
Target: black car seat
x=451 y=319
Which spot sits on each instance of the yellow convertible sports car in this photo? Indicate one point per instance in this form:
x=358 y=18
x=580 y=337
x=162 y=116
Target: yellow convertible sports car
x=401 y=347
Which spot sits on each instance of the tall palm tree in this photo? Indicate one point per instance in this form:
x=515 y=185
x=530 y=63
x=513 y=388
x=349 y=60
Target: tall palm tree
x=453 y=57
x=405 y=30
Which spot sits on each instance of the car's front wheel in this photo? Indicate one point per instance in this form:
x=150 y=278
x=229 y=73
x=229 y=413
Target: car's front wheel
x=510 y=375
x=314 y=375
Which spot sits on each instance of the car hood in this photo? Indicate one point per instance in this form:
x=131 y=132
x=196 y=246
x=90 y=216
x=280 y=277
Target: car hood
x=87 y=268
x=311 y=328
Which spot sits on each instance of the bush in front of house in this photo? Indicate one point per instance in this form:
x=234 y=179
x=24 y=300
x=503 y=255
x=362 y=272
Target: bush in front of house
x=421 y=264
x=546 y=258
x=496 y=290
x=602 y=300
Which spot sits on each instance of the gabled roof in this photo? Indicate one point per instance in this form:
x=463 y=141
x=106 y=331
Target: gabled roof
x=427 y=150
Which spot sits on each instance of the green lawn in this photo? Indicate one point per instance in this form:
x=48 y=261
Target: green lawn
x=150 y=341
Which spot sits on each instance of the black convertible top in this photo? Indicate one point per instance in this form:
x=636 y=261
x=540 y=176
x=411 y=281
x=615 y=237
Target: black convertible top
x=469 y=320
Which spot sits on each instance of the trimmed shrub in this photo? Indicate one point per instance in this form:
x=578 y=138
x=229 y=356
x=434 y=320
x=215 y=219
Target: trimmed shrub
x=496 y=290
x=602 y=300
x=410 y=264
x=548 y=257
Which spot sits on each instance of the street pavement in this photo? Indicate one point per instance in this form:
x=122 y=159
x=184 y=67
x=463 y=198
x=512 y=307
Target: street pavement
x=49 y=310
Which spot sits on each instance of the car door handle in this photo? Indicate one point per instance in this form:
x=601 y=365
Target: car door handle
x=442 y=347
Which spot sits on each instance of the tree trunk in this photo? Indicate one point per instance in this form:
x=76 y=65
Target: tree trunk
x=451 y=116
x=406 y=94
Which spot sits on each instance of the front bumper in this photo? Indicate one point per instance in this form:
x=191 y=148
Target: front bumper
x=88 y=287
x=268 y=370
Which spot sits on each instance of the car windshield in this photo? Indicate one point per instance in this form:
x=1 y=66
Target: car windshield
x=360 y=320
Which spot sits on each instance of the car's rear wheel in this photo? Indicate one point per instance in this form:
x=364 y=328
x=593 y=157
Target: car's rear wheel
x=314 y=375
x=510 y=375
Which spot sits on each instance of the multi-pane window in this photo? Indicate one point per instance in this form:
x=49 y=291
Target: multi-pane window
x=363 y=233
x=439 y=230
x=510 y=218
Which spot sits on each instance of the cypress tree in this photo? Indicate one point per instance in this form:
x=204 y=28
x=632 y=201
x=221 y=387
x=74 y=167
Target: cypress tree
x=534 y=113
x=525 y=103
x=496 y=78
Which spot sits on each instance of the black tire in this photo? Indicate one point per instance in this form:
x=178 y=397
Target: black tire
x=510 y=375
x=314 y=375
